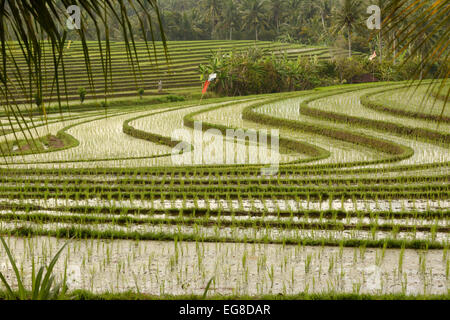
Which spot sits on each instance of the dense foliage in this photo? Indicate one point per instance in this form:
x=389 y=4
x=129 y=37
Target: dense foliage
x=256 y=71
x=338 y=22
x=333 y=22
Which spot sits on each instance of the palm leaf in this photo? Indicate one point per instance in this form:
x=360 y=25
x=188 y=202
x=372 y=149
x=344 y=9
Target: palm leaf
x=38 y=27
x=421 y=29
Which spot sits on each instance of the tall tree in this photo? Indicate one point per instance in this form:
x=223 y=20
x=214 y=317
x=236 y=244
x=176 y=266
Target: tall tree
x=276 y=9
x=291 y=22
x=324 y=8
x=212 y=13
x=348 y=16
x=254 y=14
x=229 y=16
x=382 y=4
x=198 y=24
x=292 y=8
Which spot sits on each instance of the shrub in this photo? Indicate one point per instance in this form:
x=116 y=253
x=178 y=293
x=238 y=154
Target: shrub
x=255 y=72
x=328 y=69
x=82 y=93
x=141 y=92
x=349 y=68
x=38 y=100
x=174 y=98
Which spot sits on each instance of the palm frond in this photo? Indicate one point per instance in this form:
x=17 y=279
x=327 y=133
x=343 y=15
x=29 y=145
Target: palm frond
x=34 y=30
x=421 y=31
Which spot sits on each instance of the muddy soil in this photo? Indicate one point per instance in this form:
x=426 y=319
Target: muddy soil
x=55 y=143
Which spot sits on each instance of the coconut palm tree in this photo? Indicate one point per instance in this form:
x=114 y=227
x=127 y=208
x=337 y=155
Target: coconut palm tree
x=32 y=30
x=293 y=7
x=382 y=4
x=212 y=12
x=324 y=8
x=197 y=23
x=276 y=10
x=229 y=16
x=254 y=14
x=347 y=16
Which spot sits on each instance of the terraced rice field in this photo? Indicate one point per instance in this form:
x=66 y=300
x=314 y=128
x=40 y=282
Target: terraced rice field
x=359 y=204
x=179 y=70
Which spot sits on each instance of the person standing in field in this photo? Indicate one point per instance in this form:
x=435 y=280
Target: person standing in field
x=160 y=86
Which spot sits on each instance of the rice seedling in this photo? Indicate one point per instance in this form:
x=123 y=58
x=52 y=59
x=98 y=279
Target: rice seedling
x=43 y=285
x=348 y=195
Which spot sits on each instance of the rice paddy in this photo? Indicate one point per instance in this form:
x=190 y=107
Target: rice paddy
x=179 y=70
x=359 y=204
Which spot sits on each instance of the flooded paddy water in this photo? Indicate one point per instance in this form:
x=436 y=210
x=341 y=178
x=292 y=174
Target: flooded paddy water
x=178 y=268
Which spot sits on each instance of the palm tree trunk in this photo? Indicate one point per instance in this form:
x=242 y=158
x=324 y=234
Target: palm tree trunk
x=395 y=50
x=231 y=33
x=349 y=42
x=380 y=46
x=212 y=25
x=256 y=32
x=421 y=66
x=323 y=22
